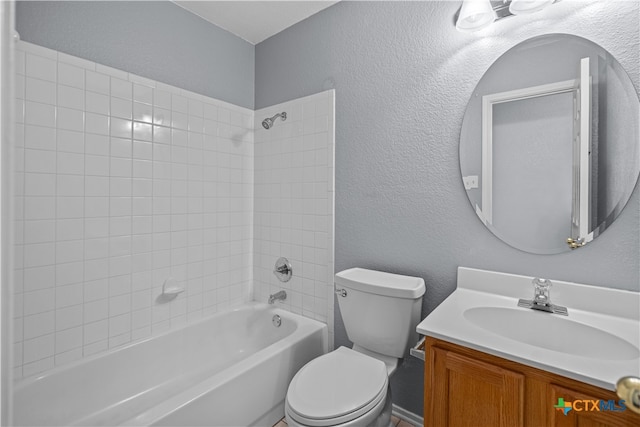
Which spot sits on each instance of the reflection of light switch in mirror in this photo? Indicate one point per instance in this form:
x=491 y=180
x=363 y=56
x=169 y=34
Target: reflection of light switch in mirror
x=470 y=182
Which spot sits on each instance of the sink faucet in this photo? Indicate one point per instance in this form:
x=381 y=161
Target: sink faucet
x=542 y=298
x=281 y=295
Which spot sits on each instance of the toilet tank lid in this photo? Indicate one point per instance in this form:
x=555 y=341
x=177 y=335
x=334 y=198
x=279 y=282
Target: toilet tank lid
x=381 y=283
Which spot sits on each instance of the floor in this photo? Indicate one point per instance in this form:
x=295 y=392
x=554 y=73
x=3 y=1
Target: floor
x=395 y=421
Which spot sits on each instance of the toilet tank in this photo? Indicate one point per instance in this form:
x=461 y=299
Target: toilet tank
x=380 y=310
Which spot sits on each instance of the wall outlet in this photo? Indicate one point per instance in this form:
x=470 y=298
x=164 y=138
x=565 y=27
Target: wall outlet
x=470 y=182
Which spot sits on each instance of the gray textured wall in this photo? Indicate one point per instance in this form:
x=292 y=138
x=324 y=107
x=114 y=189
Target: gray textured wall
x=403 y=76
x=154 y=39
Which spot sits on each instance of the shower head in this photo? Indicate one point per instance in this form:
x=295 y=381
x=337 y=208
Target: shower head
x=268 y=122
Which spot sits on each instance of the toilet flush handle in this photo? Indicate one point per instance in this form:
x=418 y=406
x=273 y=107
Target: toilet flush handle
x=341 y=292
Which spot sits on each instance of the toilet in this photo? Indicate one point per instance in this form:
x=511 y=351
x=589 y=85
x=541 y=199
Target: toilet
x=350 y=386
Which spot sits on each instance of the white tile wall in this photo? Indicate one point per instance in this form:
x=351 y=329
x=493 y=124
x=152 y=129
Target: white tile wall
x=122 y=182
x=294 y=204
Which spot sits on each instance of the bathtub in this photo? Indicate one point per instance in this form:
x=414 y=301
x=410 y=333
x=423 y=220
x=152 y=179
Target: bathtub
x=231 y=369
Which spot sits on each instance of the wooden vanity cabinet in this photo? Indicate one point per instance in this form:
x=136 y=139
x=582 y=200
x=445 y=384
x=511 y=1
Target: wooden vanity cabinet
x=465 y=390
x=469 y=388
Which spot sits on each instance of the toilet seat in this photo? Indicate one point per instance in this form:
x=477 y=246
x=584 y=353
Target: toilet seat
x=336 y=388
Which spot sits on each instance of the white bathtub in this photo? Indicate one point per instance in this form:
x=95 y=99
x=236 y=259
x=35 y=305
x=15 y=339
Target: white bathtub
x=231 y=369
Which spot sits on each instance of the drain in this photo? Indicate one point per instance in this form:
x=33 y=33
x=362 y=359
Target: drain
x=276 y=320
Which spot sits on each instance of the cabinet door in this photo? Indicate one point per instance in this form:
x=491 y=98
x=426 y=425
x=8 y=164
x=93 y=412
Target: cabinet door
x=586 y=412
x=466 y=392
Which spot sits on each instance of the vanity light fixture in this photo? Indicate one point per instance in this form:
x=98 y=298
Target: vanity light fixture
x=518 y=7
x=475 y=15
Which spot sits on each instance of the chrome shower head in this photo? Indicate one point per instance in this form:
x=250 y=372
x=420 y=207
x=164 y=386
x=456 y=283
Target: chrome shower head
x=268 y=122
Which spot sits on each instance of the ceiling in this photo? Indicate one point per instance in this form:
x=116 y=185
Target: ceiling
x=255 y=21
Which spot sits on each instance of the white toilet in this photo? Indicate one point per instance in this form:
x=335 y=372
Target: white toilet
x=350 y=387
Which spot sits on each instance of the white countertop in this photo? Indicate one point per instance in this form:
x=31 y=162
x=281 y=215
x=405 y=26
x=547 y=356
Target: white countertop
x=613 y=311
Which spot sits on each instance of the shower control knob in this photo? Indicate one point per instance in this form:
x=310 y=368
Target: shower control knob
x=283 y=270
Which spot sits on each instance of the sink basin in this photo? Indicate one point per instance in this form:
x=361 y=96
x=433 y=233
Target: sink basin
x=551 y=332
x=598 y=343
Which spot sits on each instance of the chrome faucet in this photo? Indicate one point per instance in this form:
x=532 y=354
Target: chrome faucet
x=281 y=295
x=542 y=298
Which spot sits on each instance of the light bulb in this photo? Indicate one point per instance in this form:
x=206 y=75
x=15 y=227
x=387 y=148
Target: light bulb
x=475 y=15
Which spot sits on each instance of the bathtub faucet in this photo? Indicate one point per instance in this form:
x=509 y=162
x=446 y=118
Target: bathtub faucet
x=281 y=295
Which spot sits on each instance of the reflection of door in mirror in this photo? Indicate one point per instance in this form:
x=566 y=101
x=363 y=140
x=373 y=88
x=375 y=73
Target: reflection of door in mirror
x=535 y=181
x=581 y=218
x=532 y=157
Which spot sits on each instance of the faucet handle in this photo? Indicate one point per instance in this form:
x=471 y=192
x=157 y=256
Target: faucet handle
x=283 y=270
x=542 y=298
x=542 y=289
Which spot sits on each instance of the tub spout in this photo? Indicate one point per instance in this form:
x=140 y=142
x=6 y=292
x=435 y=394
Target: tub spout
x=281 y=295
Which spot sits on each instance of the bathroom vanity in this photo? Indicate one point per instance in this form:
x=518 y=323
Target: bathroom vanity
x=537 y=163
x=466 y=387
x=489 y=362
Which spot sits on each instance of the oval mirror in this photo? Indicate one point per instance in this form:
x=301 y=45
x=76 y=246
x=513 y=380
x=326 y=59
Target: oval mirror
x=549 y=151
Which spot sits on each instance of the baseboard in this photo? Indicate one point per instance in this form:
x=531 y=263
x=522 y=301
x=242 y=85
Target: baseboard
x=403 y=414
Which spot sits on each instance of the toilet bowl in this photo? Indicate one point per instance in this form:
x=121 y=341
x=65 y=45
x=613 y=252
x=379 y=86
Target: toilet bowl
x=341 y=388
x=350 y=387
